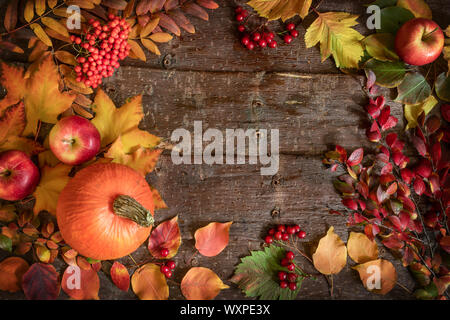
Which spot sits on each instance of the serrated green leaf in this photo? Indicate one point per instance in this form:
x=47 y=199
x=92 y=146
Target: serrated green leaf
x=442 y=85
x=5 y=243
x=392 y=18
x=256 y=275
x=388 y=74
x=414 y=89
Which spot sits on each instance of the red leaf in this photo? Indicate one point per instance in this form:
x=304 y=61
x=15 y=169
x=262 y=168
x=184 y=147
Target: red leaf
x=371 y=231
x=120 y=276
x=400 y=159
x=373 y=110
x=384 y=116
x=212 y=239
x=208 y=4
x=81 y=284
x=386 y=178
x=419 y=145
x=342 y=152
x=195 y=10
x=387 y=168
x=165 y=236
x=390 y=123
x=380 y=101
x=392 y=242
x=431 y=219
x=423 y=168
x=363 y=189
x=390 y=139
x=166 y=22
x=381 y=194
x=445 y=243
x=436 y=152
x=434 y=183
x=445 y=111
x=362 y=205
x=405 y=219
x=407 y=175
x=156 y=5
x=356 y=157
x=385 y=151
x=40 y=282
x=350 y=204
x=433 y=124
x=359 y=218
x=143 y=7
x=392 y=189
x=373 y=133
x=419 y=186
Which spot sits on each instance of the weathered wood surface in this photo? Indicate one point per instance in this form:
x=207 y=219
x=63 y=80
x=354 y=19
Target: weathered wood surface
x=209 y=77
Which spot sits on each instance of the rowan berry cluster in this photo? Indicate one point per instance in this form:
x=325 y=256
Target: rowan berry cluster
x=167 y=268
x=288 y=279
x=100 y=49
x=282 y=232
x=262 y=39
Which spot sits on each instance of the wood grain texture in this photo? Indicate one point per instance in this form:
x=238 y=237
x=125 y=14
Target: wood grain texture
x=208 y=76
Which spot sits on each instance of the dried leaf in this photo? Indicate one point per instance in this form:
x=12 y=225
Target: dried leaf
x=157 y=200
x=181 y=20
x=137 y=50
x=276 y=9
x=66 y=57
x=11 y=271
x=378 y=276
x=150 y=45
x=12 y=81
x=331 y=254
x=201 y=284
x=120 y=276
x=412 y=112
x=166 y=22
x=166 y=235
x=213 y=238
x=8 y=213
x=81 y=284
x=55 y=25
x=40 y=33
x=161 y=37
x=360 y=248
x=10 y=21
x=148 y=283
x=195 y=10
x=150 y=26
x=40 y=282
x=29 y=10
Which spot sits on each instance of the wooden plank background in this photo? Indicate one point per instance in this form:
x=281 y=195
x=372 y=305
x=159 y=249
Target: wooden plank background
x=208 y=76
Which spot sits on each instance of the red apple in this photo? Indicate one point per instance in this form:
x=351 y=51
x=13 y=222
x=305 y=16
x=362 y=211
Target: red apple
x=19 y=176
x=419 y=41
x=74 y=140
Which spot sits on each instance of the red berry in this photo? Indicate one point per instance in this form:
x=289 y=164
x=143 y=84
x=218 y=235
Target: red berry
x=283 y=284
x=168 y=274
x=171 y=264
x=290 y=255
x=272 y=44
x=292 y=286
x=290 y=230
x=271 y=35
x=240 y=18
x=278 y=235
x=287 y=39
x=251 y=46
x=268 y=239
x=285 y=262
x=238 y=9
x=245 y=40
x=241 y=28
x=294 y=33
x=282 y=275
x=297 y=228
x=291 y=267
x=244 y=13
x=290 y=26
x=285 y=237
x=164 y=269
x=262 y=43
x=271 y=231
x=291 y=277
x=256 y=36
x=301 y=234
x=281 y=228
x=164 y=252
x=111 y=17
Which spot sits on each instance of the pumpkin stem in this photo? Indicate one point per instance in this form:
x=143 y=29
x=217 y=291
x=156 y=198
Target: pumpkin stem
x=127 y=207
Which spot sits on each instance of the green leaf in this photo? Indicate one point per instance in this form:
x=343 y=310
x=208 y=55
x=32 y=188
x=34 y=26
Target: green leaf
x=381 y=46
x=383 y=3
x=392 y=18
x=389 y=74
x=442 y=85
x=5 y=243
x=256 y=275
x=414 y=89
x=427 y=293
x=343 y=187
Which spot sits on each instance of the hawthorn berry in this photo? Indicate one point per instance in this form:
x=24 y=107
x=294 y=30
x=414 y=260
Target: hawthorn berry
x=256 y=36
x=283 y=284
x=262 y=43
x=294 y=33
x=241 y=28
x=287 y=39
x=250 y=45
x=271 y=231
x=171 y=264
x=297 y=228
x=291 y=267
x=282 y=275
x=278 y=235
x=240 y=17
x=273 y=44
x=164 y=252
x=291 y=277
x=285 y=262
x=168 y=274
x=292 y=286
x=290 y=255
x=291 y=230
x=164 y=269
x=285 y=237
x=281 y=228
x=290 y=26
x=268 y=239
x=301 y=234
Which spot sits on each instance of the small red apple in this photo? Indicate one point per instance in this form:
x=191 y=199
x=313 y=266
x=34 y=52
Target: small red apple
x=74 y=140
x=19 y=176
x=419 y=41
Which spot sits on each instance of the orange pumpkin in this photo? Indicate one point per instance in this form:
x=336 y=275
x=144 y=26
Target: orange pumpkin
x=106 y=211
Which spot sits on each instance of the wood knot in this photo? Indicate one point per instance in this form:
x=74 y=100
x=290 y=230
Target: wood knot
x=275 y=212
x=168 y=61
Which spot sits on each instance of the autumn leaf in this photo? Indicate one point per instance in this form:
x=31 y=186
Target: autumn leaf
x=8 y=213
x=11 y=271
x=446 y=49
x=120 y=276
x=414 y=89
x=40 y=282
x=12 y=81
x=360 y=248
x=333 y=31
x=157 y=200
x=381 y=46
x=276 y=9
x=331 y=254
x=81 y=284
x=53 y=180
x=43 y=100
x=413 y=111
x=213 y=238
x=166 y=235
x=148 y=283
x=418 y=7
x=388 y=74
x=201 y=284
x=388 y=275
x=256 y=275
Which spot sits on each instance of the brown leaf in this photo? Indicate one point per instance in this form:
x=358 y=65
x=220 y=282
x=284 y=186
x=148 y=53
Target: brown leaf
x=208 y=4
x=161 y=37
x=213 y=238
x=378 y=276
x=55 y=25
x=143 y=7
x=331 y=254
x=40 y=7
x=11 y=271
x=180 y=19
x=150 y=45
x=156 y=5
x=66 y=57
x=148 y=283
x=11 y=15
x=360 y=248
x=129 y=9
x=201 y=284
x=29 y=10
x=149 y=27
x=166 y=22
x=40 y=282
x=195 y=10
x=137 y=50
x=115 y=4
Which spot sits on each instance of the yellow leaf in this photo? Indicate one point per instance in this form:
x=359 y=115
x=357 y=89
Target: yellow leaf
x=276 y=9
x=12 y=122
x=381 y=46
x=161 y=37
x=47 y=158
x=133 y=138
x=12 y=81
x=110 y=121
x=29 y=10
x=333 y=31
x=378 y=276
x=53 y=180
x=43 y=100
x=150 y=45
x=419 y=8
x=360 y=248
x=40 y=7
x=331 y=254
x=201 y=284
x=148 y=283
x=55 y=25
x=137 y=50
x=52 y=3
x=157 y=199
x=150 y=26
x=66 y=57
x=40 y=33
x=413 y=111
x=28 y=146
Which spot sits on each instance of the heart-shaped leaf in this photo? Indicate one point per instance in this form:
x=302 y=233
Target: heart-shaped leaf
x=148 y=283
x=40 y=282
x=360 y=248
x=212 y=239
x=388 y=74
x=201 y=284
x=80 y=283
x=414 y=89
x=165 y=236
x=378 y=276
x=331 y=254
